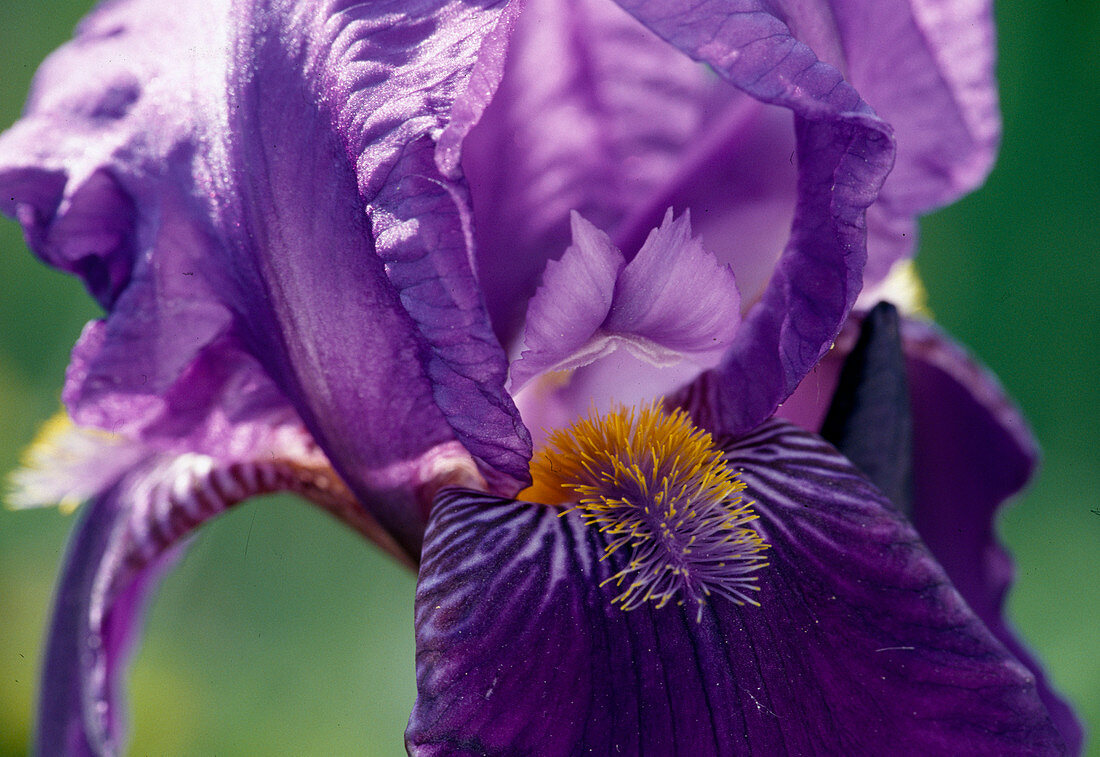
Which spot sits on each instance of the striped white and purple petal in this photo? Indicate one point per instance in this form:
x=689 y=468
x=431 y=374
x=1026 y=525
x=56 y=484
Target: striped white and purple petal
x=859 y=642
x=128 y=534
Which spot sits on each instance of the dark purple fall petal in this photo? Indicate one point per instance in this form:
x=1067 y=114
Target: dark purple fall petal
x=860 y=642
x=125 y=538
x=959 y=408
x=78 y=713
x=972 y=452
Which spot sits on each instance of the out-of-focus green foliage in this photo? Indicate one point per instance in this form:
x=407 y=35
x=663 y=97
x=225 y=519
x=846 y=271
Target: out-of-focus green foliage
x=282 y=633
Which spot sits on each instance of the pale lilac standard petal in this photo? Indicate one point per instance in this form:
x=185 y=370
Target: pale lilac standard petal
x=571 y=306
x=843 y=153
x=926 y=67
x=92 y=239
x=112 y=116
x=482 y=86
x=110 y=360
x=859 y=640
x=674 y=300
x=677 y=295
x=739 y=180
x=598 y=132
x=97 y=172
x=398 y=70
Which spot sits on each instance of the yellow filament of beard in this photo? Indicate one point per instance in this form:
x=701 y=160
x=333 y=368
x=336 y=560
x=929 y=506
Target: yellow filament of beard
x=657 y=485
x=600 y=454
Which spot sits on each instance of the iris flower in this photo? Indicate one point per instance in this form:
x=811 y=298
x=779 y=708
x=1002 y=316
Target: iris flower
x=377 y=253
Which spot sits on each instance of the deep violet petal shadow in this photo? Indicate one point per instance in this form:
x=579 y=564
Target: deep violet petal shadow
x=870 y=418
x=860 y=643
x=960 y=409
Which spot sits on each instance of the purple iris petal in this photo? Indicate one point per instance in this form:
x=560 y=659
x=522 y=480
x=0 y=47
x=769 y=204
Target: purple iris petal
x=843 y=155
x=79 y=711
x=592 y=301
x=269 y=201
x=596 y=132
x=870 y=417
x=382 y=331
x=843 y=152
x=675 y=294
x=570 y=308
x=927 y=69
x=270 y=188
x=124 y=540
x=962 y=414
x=859 y=643
x=972 y=452
x=623 y=128
x=692 y=142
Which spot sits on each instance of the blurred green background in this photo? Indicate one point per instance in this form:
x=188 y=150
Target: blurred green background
x=282 y=634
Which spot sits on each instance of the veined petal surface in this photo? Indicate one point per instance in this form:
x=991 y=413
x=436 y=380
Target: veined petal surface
x=262 y=178
x=844 y=152
x=960 y=412
x=125 y=539
x=926 y=67
x=592 y=302
x=859 y=640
